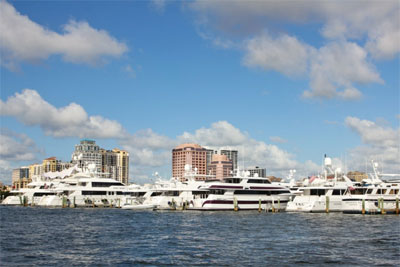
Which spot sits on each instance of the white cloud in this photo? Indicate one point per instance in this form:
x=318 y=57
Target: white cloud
x=380 y=143
x=21 y=39
x=384 y=40
x=340 y=20
x=374 y=134
x=221 y=133
x=150 y=158
x=355 y=32
x=147 y=138
x=130 y=71
x=277 y=139
x=17 y=147
x=284 y=54
x=158 y=5
x=336 y=67
x=5 y=171
x=69 y=121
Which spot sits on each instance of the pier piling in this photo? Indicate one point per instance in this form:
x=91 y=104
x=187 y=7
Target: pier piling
x=235 y=204
x=363 y=206
x=327 y=204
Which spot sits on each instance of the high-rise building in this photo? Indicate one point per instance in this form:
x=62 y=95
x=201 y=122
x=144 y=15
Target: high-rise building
x=108 y=163
x=191 y=154
x=35 y=170
x=87 y=152
x=20 y=178
x=209 y=155
x=49 y=165
x=115 y=164
x=122 y=165
x=221 y=166
x=232 y=155
x=261 y=172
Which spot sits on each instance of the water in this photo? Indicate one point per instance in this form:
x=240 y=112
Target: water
x=65 y=237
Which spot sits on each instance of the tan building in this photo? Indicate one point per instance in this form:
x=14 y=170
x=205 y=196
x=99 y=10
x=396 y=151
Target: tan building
x=115 y=164
x=191 y=154
x=35 y=170
x=357 y=176
x=122 y=164
x=49 y=165
x=52 y=165
x=221 y=166
x=20 y=178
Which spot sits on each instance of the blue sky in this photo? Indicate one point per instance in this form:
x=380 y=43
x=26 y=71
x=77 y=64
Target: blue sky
x=282 y=82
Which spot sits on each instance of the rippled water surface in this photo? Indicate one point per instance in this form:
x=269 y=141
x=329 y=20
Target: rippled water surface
x=65 y=237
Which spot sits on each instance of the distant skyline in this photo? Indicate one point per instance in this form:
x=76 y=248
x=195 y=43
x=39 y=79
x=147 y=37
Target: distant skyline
x=282 y=82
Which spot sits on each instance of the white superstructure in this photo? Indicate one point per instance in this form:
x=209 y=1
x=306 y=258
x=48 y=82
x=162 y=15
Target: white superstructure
x=378 y=196
x=323 y=193
x=240 y=192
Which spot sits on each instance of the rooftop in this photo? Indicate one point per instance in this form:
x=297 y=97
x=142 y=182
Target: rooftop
x=188 y=145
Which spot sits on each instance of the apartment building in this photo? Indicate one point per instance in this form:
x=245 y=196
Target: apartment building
x=191 y=154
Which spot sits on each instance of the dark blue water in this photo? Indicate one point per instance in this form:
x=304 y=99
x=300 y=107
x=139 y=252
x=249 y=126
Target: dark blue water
x=65 y=237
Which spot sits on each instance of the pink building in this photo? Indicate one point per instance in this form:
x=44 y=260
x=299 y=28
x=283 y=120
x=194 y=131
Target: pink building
x=191 y=154
x=221 y=166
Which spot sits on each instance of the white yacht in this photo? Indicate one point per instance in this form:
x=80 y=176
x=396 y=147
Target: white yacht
x=383 y=198
x=134 y=200
x=173 y=194
x=30 y=195
x=86 y=189
x=323 y=193
x=240 y=192
x=377 y=197
x=73 y=187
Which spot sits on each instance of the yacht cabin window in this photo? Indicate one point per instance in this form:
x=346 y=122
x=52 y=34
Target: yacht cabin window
x=317 y=192
x=135 y=194
x=380 y=191
x=233 y=180
x=200 y=194
x=154 y=194
x=94 y=193
x=393 y=191
x=103 y=184
x=258 y=181
x=338 y=192
x=217 y=191
x=358 y=191
x=171 y=193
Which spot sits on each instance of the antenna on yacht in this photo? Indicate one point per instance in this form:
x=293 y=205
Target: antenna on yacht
x=291 y=174
x=328 y=166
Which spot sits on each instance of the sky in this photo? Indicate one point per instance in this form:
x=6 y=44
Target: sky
x=283 y=82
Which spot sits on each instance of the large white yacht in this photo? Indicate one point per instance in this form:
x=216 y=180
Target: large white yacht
x=30 y=195
x=88 y=189
x=323 y=193
x=240 y=192
x=169 y=194
x=378 y=196
x=73 y=187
